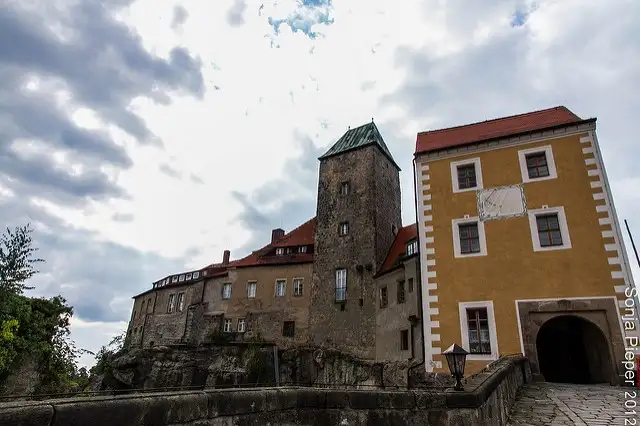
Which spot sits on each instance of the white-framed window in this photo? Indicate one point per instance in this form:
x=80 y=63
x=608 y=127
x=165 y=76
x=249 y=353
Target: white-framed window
x=242 y=325
x=466 y=175
x=297 y=286
x=341 y=284
x=226 y=291
x=344 y=228
x=549 y=230
x=227 y=325
x=478 y=329
x=181 y=278
x=302 y=249
x=280 y=287
x=280 y=251
x=174 y=279
x=196 y=275
x=537 y=164
x=469 y=239
x=412 y=248
x=189 y=275
x=251 y=289
x=181 y=301
x=344 y=188
x=166 y=281
x=172 y=303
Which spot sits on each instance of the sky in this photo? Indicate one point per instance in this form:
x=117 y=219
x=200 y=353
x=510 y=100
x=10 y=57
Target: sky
x=144 y=137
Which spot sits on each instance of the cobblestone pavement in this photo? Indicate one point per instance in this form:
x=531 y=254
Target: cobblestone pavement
x=564 y=404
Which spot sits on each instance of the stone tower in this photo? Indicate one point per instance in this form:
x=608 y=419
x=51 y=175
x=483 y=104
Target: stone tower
x=358 y=215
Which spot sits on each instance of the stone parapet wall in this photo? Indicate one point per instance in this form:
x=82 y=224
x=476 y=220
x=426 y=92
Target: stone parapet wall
x=486 y=401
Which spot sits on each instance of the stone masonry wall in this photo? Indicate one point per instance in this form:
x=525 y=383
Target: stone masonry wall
x=485 y=402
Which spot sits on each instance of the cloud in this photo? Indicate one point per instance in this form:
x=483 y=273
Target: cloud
x=122 y=217
x=235 y=15
x=170 y=171
x=180 y=16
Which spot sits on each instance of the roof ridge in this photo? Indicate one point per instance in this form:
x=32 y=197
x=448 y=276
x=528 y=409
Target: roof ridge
x=500 y=119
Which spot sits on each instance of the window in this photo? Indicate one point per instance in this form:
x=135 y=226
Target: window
x=537 y=164
x=344 y=188
x=289 y=329
x=280 y=251
x=166 y=281
x=196 y=275
x=478 y=326
x=384 y=298
x=289 y=250
x=280 y=287
x=226 y=291
x=302 y=249
x=189 y=276
x=174 y=279
x=401 y=293
x=181 y=301
x=227 y=326
x=478 y=329
x=241 y=325
x=142 y=308
x=172 y=303
x=410 y=285
x=549 y=230
x=404 y=340
x=341 y=285
x=344 y=228
x=251 y=290
x=297 y=287
x=181 y=278
x=466 y=175
x=469 y=239
x=412 y=248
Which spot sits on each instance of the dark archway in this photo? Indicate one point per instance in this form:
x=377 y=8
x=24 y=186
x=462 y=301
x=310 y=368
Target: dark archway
x=573 y=350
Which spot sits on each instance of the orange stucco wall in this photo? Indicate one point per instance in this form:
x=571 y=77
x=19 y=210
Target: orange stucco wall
x=511 y=269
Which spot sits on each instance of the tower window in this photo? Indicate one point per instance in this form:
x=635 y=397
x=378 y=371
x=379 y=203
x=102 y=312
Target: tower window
x=344 y=188
x=341 y=285
x=344 y=228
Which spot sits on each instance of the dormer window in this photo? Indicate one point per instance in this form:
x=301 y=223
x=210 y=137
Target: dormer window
x=196 y=274
x=174 y=279
x=302 y=249
x=280 y=251
x=189 y=276
x=344 y=188
x=181 y=278
x=289 y=250
x=412 y=248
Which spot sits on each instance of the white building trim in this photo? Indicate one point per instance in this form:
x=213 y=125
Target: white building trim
x=491 y=322
x=455 y=184
x=562 y=221
x=455 y=227
x=551 y=164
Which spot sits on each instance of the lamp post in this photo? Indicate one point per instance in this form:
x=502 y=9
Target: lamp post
x=456 y=359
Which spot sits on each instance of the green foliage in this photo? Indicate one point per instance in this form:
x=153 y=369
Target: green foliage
x=17 y=262
x=106 y=354
x=8 y=329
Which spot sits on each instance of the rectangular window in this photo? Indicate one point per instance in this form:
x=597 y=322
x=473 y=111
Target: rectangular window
x=344 y=188
x=297 y=287
x=172 y=303
x=410 y=285
x=302 y=249
x=241 y=325
x=341 y=285
x=401 y=293
x=227 y=325
x=537 y=166
x=412 y=248
x=280 y=251
x=467 y=176
x=226 y=291
x=181 y=301
x=196 y=275
x=181 y=278
x=404 y=340
x=469 y=238
x=280 y=287
x=189 y=276
x=384 y=297
x=549 y=232
x=344 y=228
x=289 y=328
x=478 y=326
x=251 y=290
x=174 y=279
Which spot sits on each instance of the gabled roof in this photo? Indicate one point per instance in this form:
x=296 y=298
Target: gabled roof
x=365 y=135
x=433 y=140
x=398 y=248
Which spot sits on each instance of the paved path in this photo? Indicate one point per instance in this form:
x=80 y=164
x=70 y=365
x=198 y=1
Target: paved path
x=563 y=404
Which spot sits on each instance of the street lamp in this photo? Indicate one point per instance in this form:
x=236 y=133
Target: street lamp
x=456 y=358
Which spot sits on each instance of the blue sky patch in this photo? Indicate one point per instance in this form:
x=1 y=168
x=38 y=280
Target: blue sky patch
x=310 y=13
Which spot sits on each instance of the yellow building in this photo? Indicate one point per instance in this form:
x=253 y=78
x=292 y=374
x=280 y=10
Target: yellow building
x=520 y=247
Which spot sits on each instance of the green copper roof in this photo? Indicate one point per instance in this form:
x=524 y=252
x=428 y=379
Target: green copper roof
x=360 y=137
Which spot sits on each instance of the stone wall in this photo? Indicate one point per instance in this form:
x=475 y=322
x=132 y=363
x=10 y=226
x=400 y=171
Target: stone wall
x=486 y=401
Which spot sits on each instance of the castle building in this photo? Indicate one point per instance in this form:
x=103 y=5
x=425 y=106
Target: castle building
x=520 y=247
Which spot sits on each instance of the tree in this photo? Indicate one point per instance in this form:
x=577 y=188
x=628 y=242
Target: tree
x=17 y=262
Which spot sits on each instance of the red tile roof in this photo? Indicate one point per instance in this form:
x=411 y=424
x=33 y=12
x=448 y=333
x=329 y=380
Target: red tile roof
x=492 y=129
x=398 y=248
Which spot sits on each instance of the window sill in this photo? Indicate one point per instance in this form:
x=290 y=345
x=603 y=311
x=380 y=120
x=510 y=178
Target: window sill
x=482 y=357
x=538 y=179
x=552 y=248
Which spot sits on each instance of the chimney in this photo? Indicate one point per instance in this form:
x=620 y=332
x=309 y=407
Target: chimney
x=225 y=257
x=276 y=234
